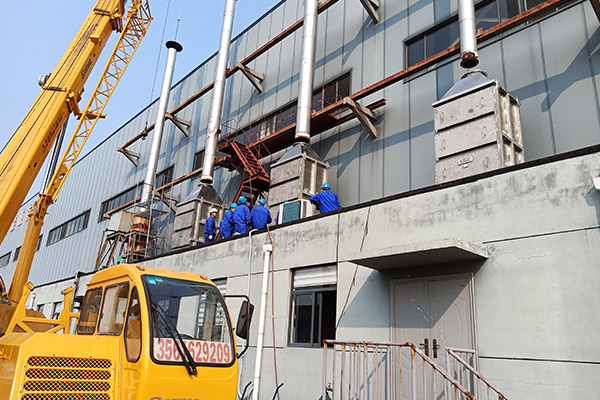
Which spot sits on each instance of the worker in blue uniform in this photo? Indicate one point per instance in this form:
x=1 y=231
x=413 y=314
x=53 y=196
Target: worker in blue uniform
x=260 y=215
x=210 y=227
x=326 y=200
x=226 y=228
x=241 y=217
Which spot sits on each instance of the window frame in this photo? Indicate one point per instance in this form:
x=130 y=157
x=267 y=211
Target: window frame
x=83 y=303
x=6 y=257
x=315 y=291
x=69 y=228
x=522 y=7
x=101 y=311
x=126 y=340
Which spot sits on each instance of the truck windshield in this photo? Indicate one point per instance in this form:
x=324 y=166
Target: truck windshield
x=199 y=315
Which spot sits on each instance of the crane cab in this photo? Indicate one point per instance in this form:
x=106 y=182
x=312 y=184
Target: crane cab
x=143 y=333
x=174 y=332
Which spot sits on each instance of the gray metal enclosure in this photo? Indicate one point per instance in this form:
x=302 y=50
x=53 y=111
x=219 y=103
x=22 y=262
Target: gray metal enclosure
x=534 y=288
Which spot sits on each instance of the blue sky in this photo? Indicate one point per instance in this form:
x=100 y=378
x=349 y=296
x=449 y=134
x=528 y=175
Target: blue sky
x=35 y=37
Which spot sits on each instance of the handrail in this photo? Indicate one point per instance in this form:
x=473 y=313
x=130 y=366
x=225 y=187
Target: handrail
x=384 y=357
x=452 y=352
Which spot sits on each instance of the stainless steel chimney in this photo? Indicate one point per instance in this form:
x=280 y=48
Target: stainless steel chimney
x=468 y=37
x=216 y=106
x=148 y=186
x=307 y=69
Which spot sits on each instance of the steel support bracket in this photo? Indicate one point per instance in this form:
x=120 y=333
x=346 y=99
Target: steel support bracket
x=253 y=76
x=371 y=7
x=72 y=102
x=131 y=155
x=364 y=115
x=182 y=124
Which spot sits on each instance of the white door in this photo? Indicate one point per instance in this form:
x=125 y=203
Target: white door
x=433 y=314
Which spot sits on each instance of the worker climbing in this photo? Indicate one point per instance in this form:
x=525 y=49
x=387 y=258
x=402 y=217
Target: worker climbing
x=260 y=215
x=210 y=228
x=241 y=217
x=326 y=200
x=226 y=228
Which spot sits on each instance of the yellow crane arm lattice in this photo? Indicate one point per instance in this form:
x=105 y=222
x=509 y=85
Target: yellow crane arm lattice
x=134 y=29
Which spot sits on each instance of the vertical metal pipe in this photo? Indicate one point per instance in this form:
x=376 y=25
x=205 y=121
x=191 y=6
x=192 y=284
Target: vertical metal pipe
x=307 y=70
x=148 y=186
x=216 y=105
x=268 y=249
x=324 y=394
x=468 y=38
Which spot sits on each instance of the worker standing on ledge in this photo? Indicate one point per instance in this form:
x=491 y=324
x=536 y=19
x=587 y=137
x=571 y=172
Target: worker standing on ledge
x=241 y=217
x=260 y=216
x=210 y=228
x=326 y=200
x=226 y=228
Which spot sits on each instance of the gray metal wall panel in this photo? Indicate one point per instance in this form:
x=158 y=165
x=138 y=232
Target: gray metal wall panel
x=569 y=80
x=526 y=81
x=420 y=14
x=260 y=65
x=243 y=116
x=283 y=87
x=593 y=40
x=273 y=62
x=334 y=40
x=422 y=155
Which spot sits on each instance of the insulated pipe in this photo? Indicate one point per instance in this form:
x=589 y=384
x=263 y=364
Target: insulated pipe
x=148 y=186
x=216 y=105
x=268 y=249
x=468 y=37
x=307 y=70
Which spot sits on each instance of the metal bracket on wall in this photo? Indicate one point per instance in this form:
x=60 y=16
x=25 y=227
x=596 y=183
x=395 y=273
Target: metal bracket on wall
x=131 y=155
x=182 y=124
x=371 y=7
x=253 y=76
x=364 y=115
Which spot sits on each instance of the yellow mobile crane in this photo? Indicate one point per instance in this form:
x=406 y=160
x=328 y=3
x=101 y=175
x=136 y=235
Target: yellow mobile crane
x=142 y=333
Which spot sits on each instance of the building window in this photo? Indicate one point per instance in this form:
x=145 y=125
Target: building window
x=56 y=309
x=17 y=251
x=198 y=160
x=39 y=243
x=487 y=15
x=117 y=201
x=164 y=177
x=313 y=303
x=324 y=96
x=4 y=260
x=69 y=228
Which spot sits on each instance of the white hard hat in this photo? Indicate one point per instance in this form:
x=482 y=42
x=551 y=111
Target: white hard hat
x=212 y=210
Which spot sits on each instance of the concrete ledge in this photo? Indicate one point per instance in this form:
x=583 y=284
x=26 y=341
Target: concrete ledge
x=440 y=251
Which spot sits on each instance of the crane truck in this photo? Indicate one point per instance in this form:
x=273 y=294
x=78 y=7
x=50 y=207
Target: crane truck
x=141 y=333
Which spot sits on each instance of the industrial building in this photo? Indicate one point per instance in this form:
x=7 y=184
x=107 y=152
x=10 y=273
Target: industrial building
x=470 y=212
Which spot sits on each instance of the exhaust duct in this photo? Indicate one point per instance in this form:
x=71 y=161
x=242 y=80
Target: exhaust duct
x=216 y=106
x=148 y=186
x=468 y=37
x=307 y=69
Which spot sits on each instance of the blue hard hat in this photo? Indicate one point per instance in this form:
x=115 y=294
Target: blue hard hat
x=233 y=205
x=242 y=200
x=325 y=186
x=262 y=201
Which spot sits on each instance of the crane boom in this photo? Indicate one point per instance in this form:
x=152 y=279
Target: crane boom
x=23 y=156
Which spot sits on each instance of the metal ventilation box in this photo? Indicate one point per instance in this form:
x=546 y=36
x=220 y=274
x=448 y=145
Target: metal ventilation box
x=478 y=128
